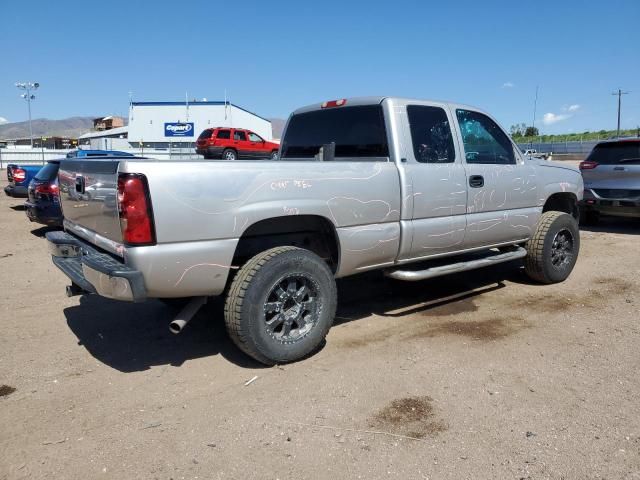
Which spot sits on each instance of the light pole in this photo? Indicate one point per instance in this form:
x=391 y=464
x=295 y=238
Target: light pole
x=28 y=96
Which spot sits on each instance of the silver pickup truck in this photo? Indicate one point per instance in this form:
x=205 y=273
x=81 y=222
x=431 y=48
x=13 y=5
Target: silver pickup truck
x=416 y=188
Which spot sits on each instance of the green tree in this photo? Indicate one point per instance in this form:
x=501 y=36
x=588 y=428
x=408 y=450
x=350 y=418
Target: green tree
x=518 y=130
x=531 y=132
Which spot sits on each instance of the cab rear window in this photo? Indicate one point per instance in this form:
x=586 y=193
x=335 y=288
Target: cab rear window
x=357 y=132
x=614 y=153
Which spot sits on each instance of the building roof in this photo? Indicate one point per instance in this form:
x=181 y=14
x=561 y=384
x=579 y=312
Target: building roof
x=195 y=103
x=106 y=133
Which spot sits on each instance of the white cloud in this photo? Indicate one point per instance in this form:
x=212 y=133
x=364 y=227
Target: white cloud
x=573 y=108
x=508 y=85
x=3 y=120
x=551 y=118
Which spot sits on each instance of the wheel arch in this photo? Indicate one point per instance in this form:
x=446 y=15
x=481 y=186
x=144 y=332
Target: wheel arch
x=232 y=149
x=311 y=232
x=566 y=202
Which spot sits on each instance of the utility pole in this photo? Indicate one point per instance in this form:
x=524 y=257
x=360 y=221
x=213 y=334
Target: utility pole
x=533 y=123
x=619 y=93
x=28 y=96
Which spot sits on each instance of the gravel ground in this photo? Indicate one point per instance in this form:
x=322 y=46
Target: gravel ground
x=482 y=375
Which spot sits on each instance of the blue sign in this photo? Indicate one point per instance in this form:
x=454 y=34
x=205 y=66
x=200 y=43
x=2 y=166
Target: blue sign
x=178 y=129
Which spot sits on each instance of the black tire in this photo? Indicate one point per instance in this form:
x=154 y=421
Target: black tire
x=553 y=250
x=229 y=154
x=274 y=155
x=256 y=308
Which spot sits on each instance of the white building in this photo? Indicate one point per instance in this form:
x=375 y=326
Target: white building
x=112 y=139
x=174 y=124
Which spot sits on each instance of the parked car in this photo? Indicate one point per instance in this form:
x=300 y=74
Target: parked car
x=359 y=184
x=19 y=177
x=43 y=205
x=233 y=144
x=611 y=176
x=532 y=152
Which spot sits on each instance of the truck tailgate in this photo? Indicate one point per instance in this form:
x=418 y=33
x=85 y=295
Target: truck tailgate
x=89 y=194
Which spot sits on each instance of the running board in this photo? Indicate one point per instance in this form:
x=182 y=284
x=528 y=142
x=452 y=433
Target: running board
x=416 y=275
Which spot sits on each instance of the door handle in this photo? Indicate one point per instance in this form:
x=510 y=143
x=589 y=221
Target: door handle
x=618 y=168
x=476 y=181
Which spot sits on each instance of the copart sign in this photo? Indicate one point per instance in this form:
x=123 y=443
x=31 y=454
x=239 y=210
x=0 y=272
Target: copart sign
x=178 y=129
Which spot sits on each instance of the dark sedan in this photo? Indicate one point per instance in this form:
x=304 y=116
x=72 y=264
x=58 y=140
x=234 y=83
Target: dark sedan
x=43 y=205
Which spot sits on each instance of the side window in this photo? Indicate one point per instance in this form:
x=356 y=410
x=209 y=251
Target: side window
x=238 y=135
x=430 y=134
x=224 y=134
x=254 y=138
x=484 y=141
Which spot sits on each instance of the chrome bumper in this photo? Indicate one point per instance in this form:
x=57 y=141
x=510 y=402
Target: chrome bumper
x=94 y=271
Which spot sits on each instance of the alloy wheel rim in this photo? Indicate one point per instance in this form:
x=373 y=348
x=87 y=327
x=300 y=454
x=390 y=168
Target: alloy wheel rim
x=291 y=308
x=562 y=249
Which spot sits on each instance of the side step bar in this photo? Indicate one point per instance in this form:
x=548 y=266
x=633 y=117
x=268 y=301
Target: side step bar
x=416 y=275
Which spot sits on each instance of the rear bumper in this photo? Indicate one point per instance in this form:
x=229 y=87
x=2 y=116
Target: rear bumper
x=615 y=207
x=44 y=214
x=210 y=151
x=16 y=191
x=94 y=271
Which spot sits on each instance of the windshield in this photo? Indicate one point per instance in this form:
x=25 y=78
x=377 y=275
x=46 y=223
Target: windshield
x=48 y=172
x=614 y=153
x=356 y=131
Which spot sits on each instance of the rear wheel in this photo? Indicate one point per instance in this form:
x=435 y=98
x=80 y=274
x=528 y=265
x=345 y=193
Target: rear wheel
x=281 y=305
x=274 y=155
x=229 y=154
x=552 y=252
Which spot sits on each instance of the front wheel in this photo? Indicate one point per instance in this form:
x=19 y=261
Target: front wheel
x=274 y=155
x=552 y=252
x=281 y=305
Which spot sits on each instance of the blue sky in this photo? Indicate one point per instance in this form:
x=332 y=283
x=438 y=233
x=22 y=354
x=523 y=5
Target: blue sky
x=273 y=57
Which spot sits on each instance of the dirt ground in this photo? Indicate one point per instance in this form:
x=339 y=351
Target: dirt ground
x=490 y=375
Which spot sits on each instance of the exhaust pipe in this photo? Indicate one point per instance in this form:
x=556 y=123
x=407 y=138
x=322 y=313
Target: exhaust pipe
x=186 y=314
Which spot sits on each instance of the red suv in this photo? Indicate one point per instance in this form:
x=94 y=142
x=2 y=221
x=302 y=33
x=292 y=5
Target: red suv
x=234 y=143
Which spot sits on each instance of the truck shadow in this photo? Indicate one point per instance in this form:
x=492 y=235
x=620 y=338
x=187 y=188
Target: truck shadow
x=626 y=226
x=134 y=337
x=393 y=298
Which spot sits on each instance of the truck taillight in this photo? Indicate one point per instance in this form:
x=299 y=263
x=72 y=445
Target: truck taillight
x=588 y=165
x=18 y=174
x=134 y=207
